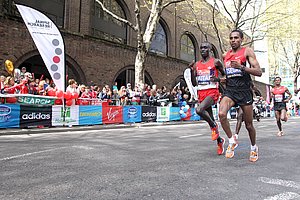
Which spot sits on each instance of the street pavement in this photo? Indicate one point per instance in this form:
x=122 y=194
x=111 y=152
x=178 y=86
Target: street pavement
x=148 y=161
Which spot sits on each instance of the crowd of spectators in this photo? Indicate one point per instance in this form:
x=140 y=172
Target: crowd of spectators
x=26 y=83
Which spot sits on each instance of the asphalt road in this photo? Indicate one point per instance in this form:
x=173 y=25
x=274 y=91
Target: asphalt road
x=158 y=162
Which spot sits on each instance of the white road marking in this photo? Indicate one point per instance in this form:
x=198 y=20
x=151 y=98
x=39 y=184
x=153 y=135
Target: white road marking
x=29 y=154
x=187 y=136
x=281 y=182
x=83 y=147
x=44 y=151
x=284 y=196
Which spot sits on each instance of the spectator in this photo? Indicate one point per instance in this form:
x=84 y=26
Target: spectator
x=2 y=80
x=23 y=71
x=123 y=96
x=115 y=97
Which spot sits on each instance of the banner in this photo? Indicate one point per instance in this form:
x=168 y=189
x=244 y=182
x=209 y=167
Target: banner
x=35 y=116
x=90 y=115
x=149 y=113
x=48 y=41
x=132 y=114
x=9 y=116
x=163 y=114
x=112 y=114
x=68 y=116
x=174 y=114
x=35 y=100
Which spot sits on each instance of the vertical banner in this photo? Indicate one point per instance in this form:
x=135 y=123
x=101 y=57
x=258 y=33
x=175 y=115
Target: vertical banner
x=9 y=116
x=71 y=115
x=35 y=116
x=90 y=115
x=149 y=113
x=132 y=114
x=112 y=114
x=48 y=41
x=163 y=114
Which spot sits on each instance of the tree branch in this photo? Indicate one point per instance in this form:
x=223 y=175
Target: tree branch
x=171 y=2
x=116 y=16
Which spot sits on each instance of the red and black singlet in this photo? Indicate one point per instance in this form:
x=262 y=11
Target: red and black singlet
x=278 y=93
x=235 y=78
x=204 y=71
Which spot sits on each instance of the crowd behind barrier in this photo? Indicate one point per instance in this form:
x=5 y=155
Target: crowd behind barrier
x=26 y=101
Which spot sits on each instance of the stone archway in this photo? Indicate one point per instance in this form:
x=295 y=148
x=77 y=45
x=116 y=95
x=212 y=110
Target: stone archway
x=126 y=75
x=35 y=64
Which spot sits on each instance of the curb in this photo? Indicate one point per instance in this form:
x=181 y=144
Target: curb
x=29 y=131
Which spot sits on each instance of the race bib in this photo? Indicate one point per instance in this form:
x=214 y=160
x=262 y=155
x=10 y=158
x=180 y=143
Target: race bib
x=278 y=97
x=233 y=72
x=203 y=79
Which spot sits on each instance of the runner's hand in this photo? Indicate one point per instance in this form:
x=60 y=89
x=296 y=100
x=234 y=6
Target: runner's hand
x=214 y=79
x=235 y=64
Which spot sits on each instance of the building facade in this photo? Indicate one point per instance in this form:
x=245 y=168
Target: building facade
x=98 y=47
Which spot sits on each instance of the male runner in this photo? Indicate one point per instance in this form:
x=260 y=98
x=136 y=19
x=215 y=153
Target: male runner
x=279 y=101
x=205 y=76
x=238 y=90
x=240 y=114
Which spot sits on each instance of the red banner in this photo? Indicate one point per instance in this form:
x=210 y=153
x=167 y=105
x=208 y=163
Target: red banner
x=112 y=114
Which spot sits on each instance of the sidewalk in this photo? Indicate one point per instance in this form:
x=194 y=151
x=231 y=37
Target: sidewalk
x=19 y=131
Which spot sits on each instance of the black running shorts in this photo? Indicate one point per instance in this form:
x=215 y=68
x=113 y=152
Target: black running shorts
x=279 y=106
x=240 y=97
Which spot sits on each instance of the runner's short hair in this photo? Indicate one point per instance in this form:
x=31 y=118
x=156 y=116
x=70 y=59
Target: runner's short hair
x=238 y=31
x=277 y=78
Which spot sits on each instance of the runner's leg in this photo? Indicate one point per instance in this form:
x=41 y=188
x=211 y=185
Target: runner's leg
x=202 y=110
x=248 y=118
x=277 y=116
x=225 y=105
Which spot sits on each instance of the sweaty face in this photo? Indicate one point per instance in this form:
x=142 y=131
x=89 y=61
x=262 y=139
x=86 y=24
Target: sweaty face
x=204 y=49
x=235 y=40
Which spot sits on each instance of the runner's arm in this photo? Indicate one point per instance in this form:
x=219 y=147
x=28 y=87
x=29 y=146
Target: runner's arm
x=290 y=95
x=255 y=67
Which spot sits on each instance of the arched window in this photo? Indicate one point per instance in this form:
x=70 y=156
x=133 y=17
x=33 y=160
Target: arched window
x=187 y=48
x=159 y=42
x=214 y=51
x=105 y=26
x=52 y=9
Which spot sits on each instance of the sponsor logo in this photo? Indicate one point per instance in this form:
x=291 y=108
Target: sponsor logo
x=111 y=115
x=132 y=112
x=149 y=114
x=90 y=114
x=34 y=115
x=40 y=24
x=67 y=112
x=4 y=110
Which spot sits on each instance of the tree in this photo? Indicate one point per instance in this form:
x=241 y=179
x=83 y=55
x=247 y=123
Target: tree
x=284 y=42
x=144 y=36
x=250 y=16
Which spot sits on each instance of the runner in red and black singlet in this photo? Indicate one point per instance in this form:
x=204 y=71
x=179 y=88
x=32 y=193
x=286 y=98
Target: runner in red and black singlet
x=279 y=103
x=205 y=77
x=238 y=91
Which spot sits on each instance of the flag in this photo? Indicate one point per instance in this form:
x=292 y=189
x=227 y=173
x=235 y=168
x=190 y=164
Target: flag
x=48 y=41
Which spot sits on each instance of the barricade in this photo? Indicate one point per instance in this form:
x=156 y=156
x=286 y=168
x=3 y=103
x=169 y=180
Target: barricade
x=32 y=111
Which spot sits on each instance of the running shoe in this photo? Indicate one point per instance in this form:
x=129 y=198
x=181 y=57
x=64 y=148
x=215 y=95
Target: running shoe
x=215 y=132
x=254 y=155
x=220 y=146
x=230 y=151
x=280 y=133
x=235 y=144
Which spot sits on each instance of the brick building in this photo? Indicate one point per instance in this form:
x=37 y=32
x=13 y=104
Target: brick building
x=99 y=48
